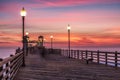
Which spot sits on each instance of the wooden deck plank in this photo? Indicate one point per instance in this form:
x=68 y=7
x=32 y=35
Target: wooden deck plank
x=56 y=67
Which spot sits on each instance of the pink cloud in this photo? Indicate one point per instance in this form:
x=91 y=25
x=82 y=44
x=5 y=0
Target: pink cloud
x=77 y=16
x=10 y=7
x=58 y=3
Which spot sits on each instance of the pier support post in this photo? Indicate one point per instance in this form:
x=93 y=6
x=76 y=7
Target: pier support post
x=81 y=54
x=77 y=54
x=1 y=68
x=116 y=59
x=98 y=57
x=91 y=55
x=106 y=58
x=86 y=54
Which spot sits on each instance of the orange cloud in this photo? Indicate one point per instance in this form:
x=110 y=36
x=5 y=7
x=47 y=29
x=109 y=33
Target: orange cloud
x=61 y=39
x=10 y=39
x=79 y=39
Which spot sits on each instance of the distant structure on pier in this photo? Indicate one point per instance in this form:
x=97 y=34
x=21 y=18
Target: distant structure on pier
x=40 y=41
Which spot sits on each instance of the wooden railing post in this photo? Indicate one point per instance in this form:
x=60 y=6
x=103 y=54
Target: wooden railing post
x=81 y=54
x=70 y=54
x=1 y=68
x=106 y=59
x=61 y=51
x=86 y=54
x=116 y=59
x=67 y=53
x=74 y=54
x=98 y=57
x=23 y=59
x=9 y=70
x=64 y=52
x=77 y=54
x=91 y=55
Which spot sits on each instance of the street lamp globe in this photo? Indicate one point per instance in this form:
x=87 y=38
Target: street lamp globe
x=51 y=36
x=68 y=27
x=27 y=33
x=44 y=39
x=23 y=12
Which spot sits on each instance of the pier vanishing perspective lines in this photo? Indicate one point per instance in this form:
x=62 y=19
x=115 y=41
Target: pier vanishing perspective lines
x=57 y=67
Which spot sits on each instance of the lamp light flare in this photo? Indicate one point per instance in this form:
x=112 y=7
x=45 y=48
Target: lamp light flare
x=27 y=33
x=44 y=39
x=68 y=27
x=23 y=12
x=51 y=36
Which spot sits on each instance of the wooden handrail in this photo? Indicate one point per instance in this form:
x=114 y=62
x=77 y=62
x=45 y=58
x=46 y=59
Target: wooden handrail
x=100 y=57
x=9 y=66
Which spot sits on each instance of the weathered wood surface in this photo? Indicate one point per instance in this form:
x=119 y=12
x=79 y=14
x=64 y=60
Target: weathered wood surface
x=56 y=67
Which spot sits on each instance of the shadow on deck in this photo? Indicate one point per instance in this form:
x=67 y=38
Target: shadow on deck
x=57 y=67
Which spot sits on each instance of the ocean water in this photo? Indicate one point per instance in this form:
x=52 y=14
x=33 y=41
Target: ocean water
x=7 y=51
x=108 y=49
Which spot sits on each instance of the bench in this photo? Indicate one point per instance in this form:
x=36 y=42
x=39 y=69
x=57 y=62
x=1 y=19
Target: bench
x=88 y=60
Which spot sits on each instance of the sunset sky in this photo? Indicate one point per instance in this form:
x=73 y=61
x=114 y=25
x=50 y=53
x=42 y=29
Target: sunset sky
x=93 y=22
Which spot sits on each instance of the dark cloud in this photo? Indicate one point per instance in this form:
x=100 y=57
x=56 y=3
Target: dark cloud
x=4 y=42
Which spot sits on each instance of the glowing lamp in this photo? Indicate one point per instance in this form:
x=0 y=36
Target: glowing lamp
x=51 y=36
x=68 y=27
x=23 y=12
x=27 y=33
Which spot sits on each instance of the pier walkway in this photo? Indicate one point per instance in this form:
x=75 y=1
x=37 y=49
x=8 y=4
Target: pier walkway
x=57 y=67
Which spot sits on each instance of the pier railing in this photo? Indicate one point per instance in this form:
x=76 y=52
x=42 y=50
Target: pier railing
x=9 y=66
x=100 y=57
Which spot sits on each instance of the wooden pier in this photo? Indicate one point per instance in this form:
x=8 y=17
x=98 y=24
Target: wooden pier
x=56 y=67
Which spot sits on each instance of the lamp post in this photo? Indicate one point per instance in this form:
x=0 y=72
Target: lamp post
x=23 y=14
x=26 y=42
x=27 y=36
x=68 y=28
x=51 y=41
x=44 y=42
